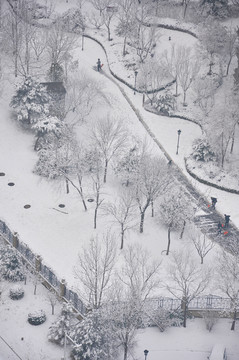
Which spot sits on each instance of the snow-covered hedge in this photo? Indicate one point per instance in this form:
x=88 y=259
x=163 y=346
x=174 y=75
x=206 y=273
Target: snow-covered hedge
x=16 y=292
x=37 y=317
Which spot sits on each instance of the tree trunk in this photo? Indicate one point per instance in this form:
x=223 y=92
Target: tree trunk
x=183 y=228
x=95 y=216
x=228 y=66
x=141 y=226
x=185 y=310
x=234 y=320
x=67 y=186
x=52 y=309
x=152 y=208
x=124 y=46
x=201 y=259
x=126 y=347
x=105 y=171
x=169 y=239
x=122 y=238
x=35 y=289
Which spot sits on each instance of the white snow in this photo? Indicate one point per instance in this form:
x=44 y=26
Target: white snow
x=58 y=237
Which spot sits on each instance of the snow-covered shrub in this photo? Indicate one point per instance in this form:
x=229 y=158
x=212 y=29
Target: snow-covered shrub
x=94 y=338
x=165 y=103
x=37 y=317
x=44 y=128
x=16 y=292
x=30 y=102
x=56 y=332
x=202 y=150
x=176 y=317
x=210 y=318
x=162 y=318
x=10 y=264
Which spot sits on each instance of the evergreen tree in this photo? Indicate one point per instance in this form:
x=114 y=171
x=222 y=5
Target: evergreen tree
x=30 y=102
x=10 y=265
x=63 y=324
x=94 y=337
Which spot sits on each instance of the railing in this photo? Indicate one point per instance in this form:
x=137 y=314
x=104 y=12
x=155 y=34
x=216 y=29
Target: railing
x=47 y=275
x=199 y=303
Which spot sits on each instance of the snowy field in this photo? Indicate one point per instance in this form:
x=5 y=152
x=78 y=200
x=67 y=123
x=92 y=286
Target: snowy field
x=59 y=236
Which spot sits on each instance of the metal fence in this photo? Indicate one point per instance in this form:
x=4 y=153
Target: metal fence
x=44 y=271
x=200 y=303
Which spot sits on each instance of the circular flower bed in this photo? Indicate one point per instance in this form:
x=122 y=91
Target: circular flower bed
x=16 y=292
x=37 y=317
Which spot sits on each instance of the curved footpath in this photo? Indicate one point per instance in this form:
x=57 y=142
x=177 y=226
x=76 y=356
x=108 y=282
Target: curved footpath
x=210 y=218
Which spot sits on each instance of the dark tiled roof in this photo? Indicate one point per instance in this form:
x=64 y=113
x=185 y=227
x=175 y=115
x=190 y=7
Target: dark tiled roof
x=56 y=87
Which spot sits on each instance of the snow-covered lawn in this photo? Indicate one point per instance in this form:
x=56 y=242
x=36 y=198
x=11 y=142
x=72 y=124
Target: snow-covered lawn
x=59 y=236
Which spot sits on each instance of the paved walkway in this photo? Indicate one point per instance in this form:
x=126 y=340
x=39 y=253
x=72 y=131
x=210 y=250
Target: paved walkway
x=209 y=219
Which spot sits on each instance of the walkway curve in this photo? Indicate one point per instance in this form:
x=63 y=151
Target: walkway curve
x=194 y=195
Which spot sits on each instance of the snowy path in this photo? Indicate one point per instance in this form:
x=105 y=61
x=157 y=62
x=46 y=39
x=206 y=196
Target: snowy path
x=210 y=218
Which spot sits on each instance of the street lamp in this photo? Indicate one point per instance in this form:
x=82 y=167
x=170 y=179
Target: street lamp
x=135 y=77
x=179 y=132
x=145 y=354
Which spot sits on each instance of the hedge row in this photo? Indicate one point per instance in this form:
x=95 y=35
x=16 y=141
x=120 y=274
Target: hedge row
x=233 y=191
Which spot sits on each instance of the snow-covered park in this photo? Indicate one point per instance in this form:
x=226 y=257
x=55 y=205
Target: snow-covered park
x=61 y=176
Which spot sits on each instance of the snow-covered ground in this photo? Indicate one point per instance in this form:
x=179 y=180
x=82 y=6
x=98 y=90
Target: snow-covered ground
x=58 y=236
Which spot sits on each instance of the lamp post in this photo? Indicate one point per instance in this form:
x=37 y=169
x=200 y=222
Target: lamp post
x=179 y=132
x=135 y=77
x=145 y=354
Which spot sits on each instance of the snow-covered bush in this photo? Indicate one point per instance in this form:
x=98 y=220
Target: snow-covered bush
x=210 y=318
x=16 y=292
x=165 y=103
x=202 y=151
x=37 y=317
x=161 y=318
x=63 y=324
x=10 y=264
x=94 y=337
x=30 y=102
x=44 y=127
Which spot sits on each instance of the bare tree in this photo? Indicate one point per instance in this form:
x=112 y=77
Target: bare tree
x=127 y=20
x=109 y=136
x=101 y=5
x=188 y=279
x=108 y=16
x=151 y=77
x=38 y=42
x=224 y=115
x=52 y=299
x=171 y=61
x=139 y=273
x=152 y=180
x=94 y=268
x=205 y=89
x=188 y=69
x=13 y=32
x=172 y=211
x=202 y=244
x=83 y=95
x=230 y=47
x=123 y=212
x=228 y=279
x=59 y=43
x=144 y=40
